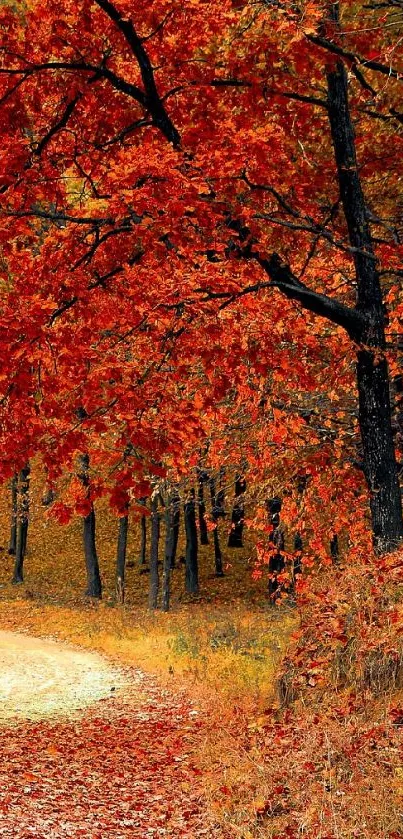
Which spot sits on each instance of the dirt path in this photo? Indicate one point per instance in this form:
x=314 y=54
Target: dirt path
x=39 y=678
x=122 y=766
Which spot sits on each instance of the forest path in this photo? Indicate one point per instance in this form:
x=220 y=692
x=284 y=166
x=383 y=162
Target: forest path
x=122 y=766
x=39 y=677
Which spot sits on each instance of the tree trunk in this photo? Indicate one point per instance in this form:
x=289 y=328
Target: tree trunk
x=169 y=544
x=191 y=561
x=121 y=558
x=237 y=519
x=13 y=530
x=94 y=584
x=202 y=511
x=21 y=525
x=216 y=512
x=334 y=548
x=276 y=561
x=155 y=535
x=380 y=465
x=143 y=537
x=175 y=531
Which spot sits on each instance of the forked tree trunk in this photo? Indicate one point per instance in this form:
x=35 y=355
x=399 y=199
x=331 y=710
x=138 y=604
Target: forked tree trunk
x=121 y=558
x=13 y=529
x=21 y=525
x=94 y=584
x=191 y=556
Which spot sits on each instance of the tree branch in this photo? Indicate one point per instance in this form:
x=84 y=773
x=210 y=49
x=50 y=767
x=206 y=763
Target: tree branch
x=320 y=304
x=153 y=100
x=356 y=59
x=61 y=123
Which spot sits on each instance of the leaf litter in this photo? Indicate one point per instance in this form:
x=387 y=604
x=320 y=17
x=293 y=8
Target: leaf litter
x=101 y=764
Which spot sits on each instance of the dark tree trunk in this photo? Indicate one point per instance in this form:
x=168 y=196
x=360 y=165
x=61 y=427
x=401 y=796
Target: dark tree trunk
x=202 y=511
x=169 y=547
x=155 y=535
x=143 y=537
x=121 y=558
x=175 y=531
x=13 y=530
x=191 y=560
x=94 y=584
x=276 y=561
x=237 y=519
x=216 y=512
x=380 y=465
x=334 y=548
x=21 y=525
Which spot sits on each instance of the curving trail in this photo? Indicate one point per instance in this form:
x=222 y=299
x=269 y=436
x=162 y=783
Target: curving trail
x=121 y=766
x=40 y=677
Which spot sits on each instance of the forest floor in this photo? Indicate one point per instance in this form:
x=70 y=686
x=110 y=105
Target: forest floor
x=91 y=750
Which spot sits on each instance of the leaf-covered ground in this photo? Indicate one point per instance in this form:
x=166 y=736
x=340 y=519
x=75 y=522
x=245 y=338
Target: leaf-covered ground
x=124 y=767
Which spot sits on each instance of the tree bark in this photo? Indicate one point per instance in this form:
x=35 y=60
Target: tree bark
x=143 y=537
x=334 y=548
x=216 y=512
x=375 y=420
x=155 y=535
x=169 y=546
x=237 y=519
x=276 y=561
x=175 y=528
x=94 y=583
x=21 y=525
x=121 y=558
x=191 y=557
x=202 y=510
x=13 y=530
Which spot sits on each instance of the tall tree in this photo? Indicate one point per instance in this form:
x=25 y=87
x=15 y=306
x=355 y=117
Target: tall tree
x=21 y=524
x=121 y=557
x=154 y=547
x=221 y=203
x=191 y=555
x=94 y=583
x=13 y=529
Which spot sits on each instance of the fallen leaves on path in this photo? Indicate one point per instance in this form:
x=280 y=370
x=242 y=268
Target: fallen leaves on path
x=124 y=768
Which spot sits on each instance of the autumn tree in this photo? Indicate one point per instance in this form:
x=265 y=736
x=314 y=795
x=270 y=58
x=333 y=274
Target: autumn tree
x=192 y=210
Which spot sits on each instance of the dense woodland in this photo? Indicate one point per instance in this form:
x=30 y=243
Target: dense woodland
x=201 y=344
